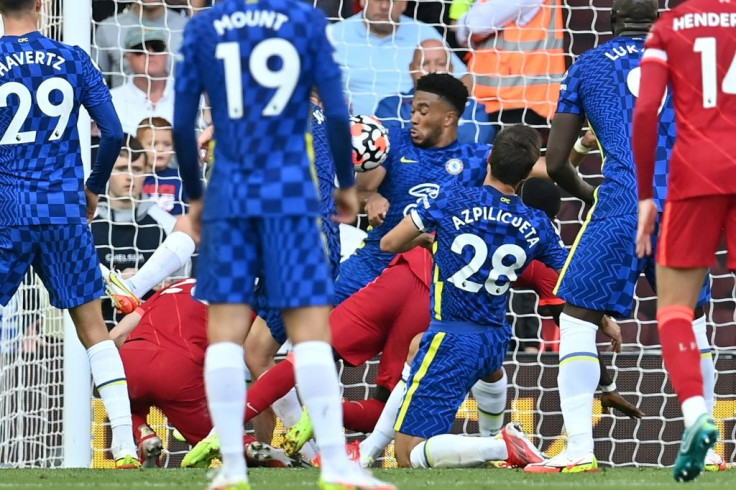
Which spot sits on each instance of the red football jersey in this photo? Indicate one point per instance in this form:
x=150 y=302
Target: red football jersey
x=420 y=263
x=174 y=320
x=696 y=42
x=542 y=279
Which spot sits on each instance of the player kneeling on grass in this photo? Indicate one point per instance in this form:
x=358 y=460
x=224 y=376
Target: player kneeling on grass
x=485 y=238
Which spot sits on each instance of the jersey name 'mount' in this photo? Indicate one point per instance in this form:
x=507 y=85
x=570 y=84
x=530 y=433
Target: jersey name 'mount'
x=250 y=18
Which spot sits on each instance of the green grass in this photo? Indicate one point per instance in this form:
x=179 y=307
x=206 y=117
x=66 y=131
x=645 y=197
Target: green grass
x=285 y=479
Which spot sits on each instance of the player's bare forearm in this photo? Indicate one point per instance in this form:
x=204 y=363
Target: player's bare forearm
x=400 y=237
x=121 y=331
x=570 y=180
x=562 y=137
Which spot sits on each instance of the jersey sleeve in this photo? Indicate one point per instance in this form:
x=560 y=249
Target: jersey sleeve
x=427 y=217
x=95 y=91
x=323 y=51
x=542 y=280
x=570 y=101
x=657 y=38
x=553 y=253
x=187 y=78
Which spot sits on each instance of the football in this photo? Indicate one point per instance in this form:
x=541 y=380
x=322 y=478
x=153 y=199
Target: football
x=370 y=142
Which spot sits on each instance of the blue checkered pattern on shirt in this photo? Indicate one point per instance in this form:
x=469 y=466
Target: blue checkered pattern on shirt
x=41 y=166
x=262 y=163
x=493 y=237
x=602 y=85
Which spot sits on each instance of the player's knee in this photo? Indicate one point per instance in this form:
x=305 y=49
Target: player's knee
x=418 y=456
x=413 y=348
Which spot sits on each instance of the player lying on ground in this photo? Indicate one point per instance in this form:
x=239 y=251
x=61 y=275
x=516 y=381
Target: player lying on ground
x=696 y=59
x=167 y=335
x=46 y=203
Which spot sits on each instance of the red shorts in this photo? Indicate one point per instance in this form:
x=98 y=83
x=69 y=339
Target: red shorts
x=692 y=229
x=172 y=382
x=382 y=317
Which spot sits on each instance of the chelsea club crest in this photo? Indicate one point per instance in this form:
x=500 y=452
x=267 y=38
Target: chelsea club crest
x=454 y=166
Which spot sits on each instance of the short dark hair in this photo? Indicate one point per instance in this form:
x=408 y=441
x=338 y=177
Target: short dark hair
x=515 y=151
x=447 y=87
x=15 y=6
x=541 y=194
x=133 y=148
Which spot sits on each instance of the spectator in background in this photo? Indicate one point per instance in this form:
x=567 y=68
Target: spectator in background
x=127 y=229
x=516 y=55
x=432 y=56
x=375 y=48
x=163 y=184
x=148 y=91
x=107 y=51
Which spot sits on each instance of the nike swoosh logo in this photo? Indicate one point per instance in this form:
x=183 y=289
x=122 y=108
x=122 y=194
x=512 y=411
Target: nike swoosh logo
x=406 y=160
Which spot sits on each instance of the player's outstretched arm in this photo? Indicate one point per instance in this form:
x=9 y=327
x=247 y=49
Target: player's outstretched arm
x=562 y=137
x=400 y=238
x=121 y=331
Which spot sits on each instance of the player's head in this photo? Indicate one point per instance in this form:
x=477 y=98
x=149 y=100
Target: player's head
x=541 y=194
x=438 y=103
x=382 y=16
x=431 y=56
x=19 y=8
x=156 y=136
x=147 y=51
x=633 y=16
x=515 y=151
x=128 y=173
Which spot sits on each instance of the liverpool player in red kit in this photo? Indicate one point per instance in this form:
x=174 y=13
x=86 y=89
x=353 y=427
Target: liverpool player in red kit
x=692 y=48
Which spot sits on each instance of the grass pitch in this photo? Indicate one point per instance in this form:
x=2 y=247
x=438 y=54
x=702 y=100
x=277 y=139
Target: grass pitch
x=287 y=479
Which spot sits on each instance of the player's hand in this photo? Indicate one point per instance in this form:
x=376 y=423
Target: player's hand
x=195 y=218
x=426 y=240
x=611 y=329
x=615 y=400
x=589 y=140
x=347 y=205
x=92 y=200
x=376 y=207
x=647 y=218
x=204 y=141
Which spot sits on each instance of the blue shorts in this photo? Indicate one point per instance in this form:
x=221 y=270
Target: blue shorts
x=650 y=267
x=286 y=252
x=451 y=358
x=63 y=256
x=602 y=268
x=361 y=268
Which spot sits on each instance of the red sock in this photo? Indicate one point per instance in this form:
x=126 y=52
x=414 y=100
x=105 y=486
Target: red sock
x=362 y=416
x=680 y=350
x=272 y=385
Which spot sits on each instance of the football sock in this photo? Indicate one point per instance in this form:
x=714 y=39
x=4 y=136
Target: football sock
x=457 y=451
x=706 y=362
x=271 y=386
x=224 y=377
x=491 y=399
x=578 y=379
x=383 y=433
x=168 y=258
x=362 y=415
x=682 y=359
x=287 y=408
x=319 y=389
x=109 y=378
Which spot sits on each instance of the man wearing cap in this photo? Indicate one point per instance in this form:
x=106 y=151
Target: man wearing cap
x=107 y=50
x=148 y=90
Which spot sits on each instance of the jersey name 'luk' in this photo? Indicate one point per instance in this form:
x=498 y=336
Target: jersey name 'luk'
x=489 y=213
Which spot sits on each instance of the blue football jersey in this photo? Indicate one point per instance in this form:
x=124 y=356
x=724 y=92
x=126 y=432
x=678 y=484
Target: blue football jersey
x=324 y=167
x=602 y=85
x=258 y=61
x=414 y=175
x=42 y=84
x=485 y=239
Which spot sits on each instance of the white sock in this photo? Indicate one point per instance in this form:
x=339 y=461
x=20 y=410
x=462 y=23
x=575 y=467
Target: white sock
x=578 y=379
x=289 y=410
x=382 y=435
x=706 y=362
x=491 y=398
x=109 y=378
x=168 y=258
x=319 y=389
x=224 y=378
x=456 y=451
x=692 y=408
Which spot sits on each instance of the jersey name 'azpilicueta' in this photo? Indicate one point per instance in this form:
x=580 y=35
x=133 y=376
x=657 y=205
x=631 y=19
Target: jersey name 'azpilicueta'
x=485 y=240
x=258 y=61
x=602 y=85
x=42 y=84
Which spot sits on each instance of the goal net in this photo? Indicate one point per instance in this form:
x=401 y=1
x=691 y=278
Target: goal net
x=31 y=335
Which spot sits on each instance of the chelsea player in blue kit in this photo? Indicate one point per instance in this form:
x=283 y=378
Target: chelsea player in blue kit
x=257 y=61
x=422 y=160
x=44 y=204
x=486 y=237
